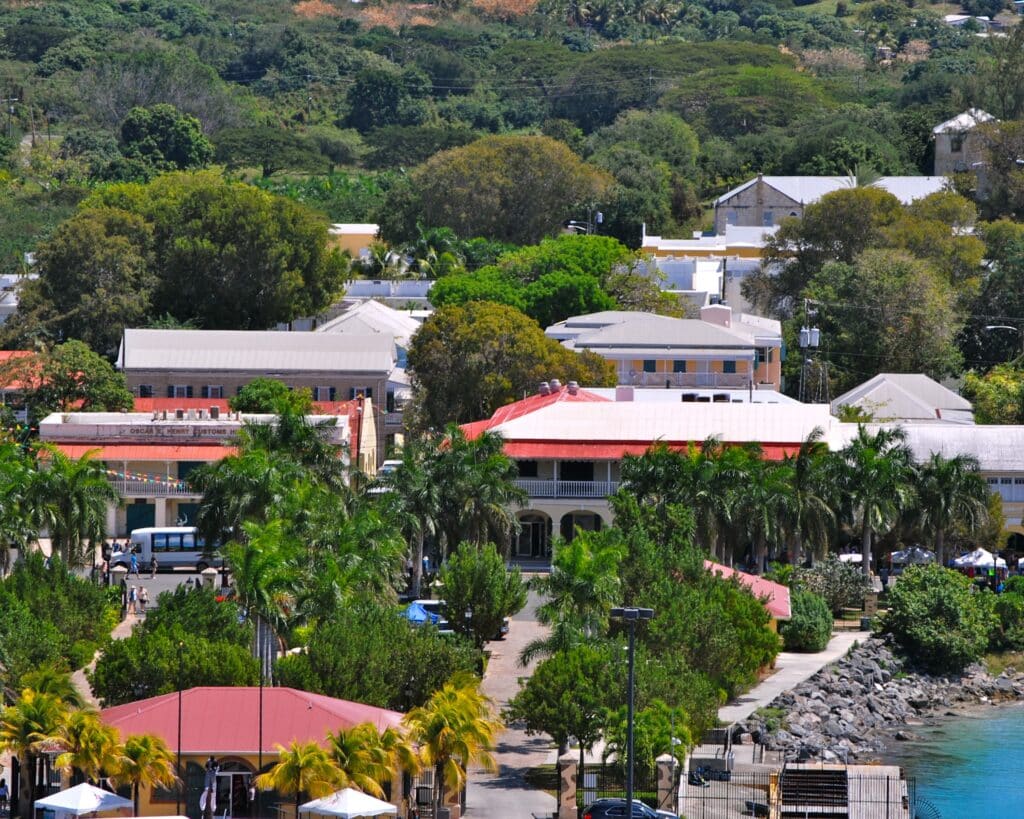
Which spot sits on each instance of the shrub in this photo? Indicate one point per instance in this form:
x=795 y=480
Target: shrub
x=1009 y=608
x=840 y=584
x=1014 y=585
x=937 y=621
x=810 y=627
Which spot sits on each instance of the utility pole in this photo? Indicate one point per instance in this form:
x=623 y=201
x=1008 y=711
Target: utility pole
x=630 y=615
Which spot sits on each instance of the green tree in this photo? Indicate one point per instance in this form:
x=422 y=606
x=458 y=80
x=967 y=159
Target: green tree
x=513 y=188
x=268 y=395
x=367 y=757
x=479 y=591
x=268 y=148
x=89 y=745
x=839 y=584
x=380 y=97
x=658 y=134
x=936 y=619
x=810 y=626
x=950 y=491
x=146 y=760
x=27 y=727
x=302 y=768
x=468 y=361
x=657 y=729
x=998 y=395
x=457 y=727
x=808 y=516
x=876 y=480
x=566 y=697
x=165 y=138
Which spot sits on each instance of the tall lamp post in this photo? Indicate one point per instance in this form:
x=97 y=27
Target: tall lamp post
x=989 y=328
x=181 y=781
x=630 y=615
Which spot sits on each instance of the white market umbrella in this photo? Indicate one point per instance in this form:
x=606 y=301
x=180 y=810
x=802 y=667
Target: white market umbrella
x=915 y=554
x=979 y=559
x=348 y=804
x=83 y=799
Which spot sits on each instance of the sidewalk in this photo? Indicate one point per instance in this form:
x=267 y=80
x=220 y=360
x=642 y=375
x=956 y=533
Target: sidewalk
x=121 y=630
x=790 y=670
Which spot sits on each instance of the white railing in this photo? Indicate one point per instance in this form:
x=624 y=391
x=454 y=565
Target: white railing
x=392 y=419
x=128 y=488
x=638 y=379
x=537 y=488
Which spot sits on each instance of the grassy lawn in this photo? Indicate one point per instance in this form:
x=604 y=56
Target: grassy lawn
x=997 y=663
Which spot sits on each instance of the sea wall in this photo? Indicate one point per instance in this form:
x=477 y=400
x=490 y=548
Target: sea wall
x=855 y=707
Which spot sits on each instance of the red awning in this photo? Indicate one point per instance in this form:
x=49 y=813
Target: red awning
x=613 y=451
x=149 y=452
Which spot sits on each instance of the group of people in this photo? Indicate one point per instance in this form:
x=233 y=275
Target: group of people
x=134 y=599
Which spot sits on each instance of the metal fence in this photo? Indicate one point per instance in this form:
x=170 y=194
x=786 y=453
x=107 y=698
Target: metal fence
x=608 y=781
x=788 y=795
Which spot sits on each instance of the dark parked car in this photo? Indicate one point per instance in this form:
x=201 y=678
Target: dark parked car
x=616 y=809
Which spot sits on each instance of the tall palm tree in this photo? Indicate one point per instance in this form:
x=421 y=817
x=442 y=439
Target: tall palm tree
x=761 y=505
x=455 y=728
x=16 y=518
x=578 y=593
x=302 y=768
x=950 y=490
x=146 y=760
x=808 y=516
x=30 y=724
x=875 y=479
x=362 y=762
x=49 y=679
x=89 y=745
x=69 y=498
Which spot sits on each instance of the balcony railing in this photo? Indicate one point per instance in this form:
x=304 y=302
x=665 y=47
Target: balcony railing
x=731 y=380
x=128 y=488
x=537 y=488
x=393 y=419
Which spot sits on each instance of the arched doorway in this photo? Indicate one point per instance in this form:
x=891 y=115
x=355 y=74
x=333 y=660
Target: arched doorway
x=534 y=536
x=234 y=796
x=580 y=519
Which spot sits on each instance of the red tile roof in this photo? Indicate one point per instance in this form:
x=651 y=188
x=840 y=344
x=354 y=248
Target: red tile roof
x=531 y=403
x=775 y=596
x=149 y=452
x=8 y=356
x=579 y=450
x=221 y=720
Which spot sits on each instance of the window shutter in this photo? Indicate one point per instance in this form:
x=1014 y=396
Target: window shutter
x=351 y=393
x=205 y=391
x=170 y=391
x=369 y=392
x=331 y=393
x=188 y=391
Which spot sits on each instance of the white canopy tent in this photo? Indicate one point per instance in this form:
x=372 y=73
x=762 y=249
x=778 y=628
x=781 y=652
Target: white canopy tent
x=979 y=559
x=349 y=804
x=851 y=558
x=915 y=554
x=83 y=799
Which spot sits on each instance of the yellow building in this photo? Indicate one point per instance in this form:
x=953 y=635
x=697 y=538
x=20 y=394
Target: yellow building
x=354 y=238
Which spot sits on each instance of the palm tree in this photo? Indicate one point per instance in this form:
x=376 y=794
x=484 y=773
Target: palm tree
x=876 y=481
x=578 y=593
x=49 y=679
x=89 y=745
x=362 y=760
x=950 y=490
x=16 y=523
x=33 y=722
x=761 y=505
x=302 y=767
x=69 y=498
x=808 y=515
x=146 y=760
x=455 y=728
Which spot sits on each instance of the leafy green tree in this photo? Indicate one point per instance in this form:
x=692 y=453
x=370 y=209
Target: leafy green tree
x=89 y=745
x=27 y=727
x=936 y=619
x=268 y=148
x=810 y=626
x=566 y=696
x=164 y=137
x=380 y=97
x=370 y=653
x=808 y=516
x=839 y=584
x=266 y=395
x=479 y=591
x=876 y=480
x=367 y=757
x=657 y=134
x=146 y=760
x=657 y=729
x=641 y=196
x=302 y=768
x=513 y=188
x=468 y=361
x=950 y=491
x=998 y=395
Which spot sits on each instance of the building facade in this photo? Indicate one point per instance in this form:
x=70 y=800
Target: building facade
x=959 y=145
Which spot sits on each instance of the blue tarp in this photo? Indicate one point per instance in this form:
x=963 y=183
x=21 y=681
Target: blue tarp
x=415 y=613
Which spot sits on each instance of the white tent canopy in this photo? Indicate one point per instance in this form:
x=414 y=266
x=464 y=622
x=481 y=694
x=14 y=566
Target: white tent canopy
x=83 y=799
x=915 y=554
x=851 y=558
x=979 y=559
x=348 y=804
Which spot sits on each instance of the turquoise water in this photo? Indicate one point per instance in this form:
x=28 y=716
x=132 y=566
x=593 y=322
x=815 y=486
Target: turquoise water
x=970 y=766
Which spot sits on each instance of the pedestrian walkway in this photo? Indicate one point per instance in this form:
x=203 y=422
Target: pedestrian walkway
x=791 y=669
x=81 y=682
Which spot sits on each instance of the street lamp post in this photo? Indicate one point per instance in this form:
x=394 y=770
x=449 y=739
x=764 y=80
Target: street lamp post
x=181 y=781
x=630 y=615
x=1019 y=330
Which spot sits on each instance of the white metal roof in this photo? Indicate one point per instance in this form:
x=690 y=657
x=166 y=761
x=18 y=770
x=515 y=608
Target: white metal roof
x=374 y=317
x=907 y=396
x=354 y=228
x=971 y=118
x=809 y=189
x=266 y=352
x=997 y=448
x=602 y=421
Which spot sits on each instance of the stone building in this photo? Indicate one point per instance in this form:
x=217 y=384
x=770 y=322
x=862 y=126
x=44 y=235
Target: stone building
x=959 y=146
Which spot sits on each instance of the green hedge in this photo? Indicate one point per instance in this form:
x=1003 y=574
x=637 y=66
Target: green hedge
x=810 y=627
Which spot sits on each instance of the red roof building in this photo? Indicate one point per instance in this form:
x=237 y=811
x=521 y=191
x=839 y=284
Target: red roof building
x=223 y=720
x=774 y=596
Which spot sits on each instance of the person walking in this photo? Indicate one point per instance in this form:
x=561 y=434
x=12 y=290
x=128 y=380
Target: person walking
x=4 y=795
x=133 y=566
x=133 y=600
x=153 y=567
x=143 y=599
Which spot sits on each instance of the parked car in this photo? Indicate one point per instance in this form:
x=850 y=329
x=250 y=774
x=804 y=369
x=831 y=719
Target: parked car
x=436 y=608
x=616 y=809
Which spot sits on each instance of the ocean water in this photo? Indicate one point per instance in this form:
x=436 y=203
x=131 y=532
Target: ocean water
x=969 y=766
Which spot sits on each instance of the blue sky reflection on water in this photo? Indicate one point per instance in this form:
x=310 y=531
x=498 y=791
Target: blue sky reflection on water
x=970 y=766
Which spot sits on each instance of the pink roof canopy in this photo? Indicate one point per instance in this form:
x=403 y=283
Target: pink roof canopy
x=224 y=720
x=775 y=596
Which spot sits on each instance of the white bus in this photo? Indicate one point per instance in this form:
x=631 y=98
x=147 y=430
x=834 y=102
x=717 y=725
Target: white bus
x=173 y=546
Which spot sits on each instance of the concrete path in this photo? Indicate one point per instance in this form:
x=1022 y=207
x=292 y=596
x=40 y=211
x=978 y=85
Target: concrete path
x=790 y=670
x=506 y=794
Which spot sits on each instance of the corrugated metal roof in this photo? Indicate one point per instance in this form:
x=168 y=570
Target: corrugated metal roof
x=774 y=596
x=256 y=351
x=148 y=452
x=809 y=189
x=997 y=448
x=374 y=317
x=906 y=396
x=222 y=720
x=582 y=451
x=969 y=119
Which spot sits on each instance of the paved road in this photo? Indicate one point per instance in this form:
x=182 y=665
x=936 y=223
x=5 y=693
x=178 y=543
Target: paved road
x=506 y=795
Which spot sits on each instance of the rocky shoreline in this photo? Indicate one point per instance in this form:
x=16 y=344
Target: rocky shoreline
x=854 y=708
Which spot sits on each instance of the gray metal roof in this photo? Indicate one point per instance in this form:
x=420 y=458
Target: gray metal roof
x=255 y=351
x=626 y=330
x=906 y=396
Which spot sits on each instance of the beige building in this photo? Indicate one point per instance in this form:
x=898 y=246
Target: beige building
x=959 y=146
x=355 y=239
